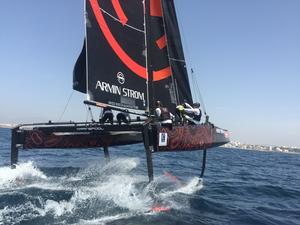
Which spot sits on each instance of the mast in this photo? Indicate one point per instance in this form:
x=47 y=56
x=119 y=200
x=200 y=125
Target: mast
x=148 y=56
x=172 y=75
x=146 y=12
x=86 y=53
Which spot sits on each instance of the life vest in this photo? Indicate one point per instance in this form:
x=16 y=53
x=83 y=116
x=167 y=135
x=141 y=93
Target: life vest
x=180 y=108
x=165 y=114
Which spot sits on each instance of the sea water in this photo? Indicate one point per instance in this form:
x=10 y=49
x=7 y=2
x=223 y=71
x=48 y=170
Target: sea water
x=80 y=187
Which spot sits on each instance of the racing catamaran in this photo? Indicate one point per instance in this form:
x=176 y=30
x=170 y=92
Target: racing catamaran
x=132 y=56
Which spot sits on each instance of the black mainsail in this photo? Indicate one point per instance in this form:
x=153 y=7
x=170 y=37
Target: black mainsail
x=134 y=55
x=116 y=62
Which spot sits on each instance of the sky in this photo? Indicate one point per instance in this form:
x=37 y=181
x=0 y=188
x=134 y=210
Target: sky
x=245 y=54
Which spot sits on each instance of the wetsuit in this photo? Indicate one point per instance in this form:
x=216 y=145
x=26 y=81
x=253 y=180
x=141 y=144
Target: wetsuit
x=107 y=115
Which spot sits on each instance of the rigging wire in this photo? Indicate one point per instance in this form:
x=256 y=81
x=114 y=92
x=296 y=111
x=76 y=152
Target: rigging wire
x=87 y=114
x=116 y=19
x=92 y=117
x=199 y=93
x=195 y=83
x=66 y=106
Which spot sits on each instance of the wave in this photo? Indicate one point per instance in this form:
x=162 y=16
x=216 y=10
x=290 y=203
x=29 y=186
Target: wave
x=18 y=176
x=98 y=194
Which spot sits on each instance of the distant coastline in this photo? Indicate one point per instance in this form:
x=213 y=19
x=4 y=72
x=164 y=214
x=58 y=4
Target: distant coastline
x=6 y=125
x=269 y=148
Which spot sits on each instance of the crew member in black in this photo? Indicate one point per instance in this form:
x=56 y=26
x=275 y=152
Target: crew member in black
x=163 y=114
x=194 y=112
x=123 y=117
x=107 y=115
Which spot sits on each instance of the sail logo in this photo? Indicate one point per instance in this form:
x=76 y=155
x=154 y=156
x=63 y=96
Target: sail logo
x=116 y=90
x=120 y=77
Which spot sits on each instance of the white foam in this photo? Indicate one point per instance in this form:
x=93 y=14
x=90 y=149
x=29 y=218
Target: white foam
x=51 y=185
x=17 y=176
x=13 y=215
x=122 y=191
x=194 y=185
x=59 y=208
x=106 y=219
x=114 y=185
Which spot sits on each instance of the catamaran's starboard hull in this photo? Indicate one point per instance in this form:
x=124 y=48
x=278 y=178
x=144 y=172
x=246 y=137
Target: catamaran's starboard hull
x=189 y=137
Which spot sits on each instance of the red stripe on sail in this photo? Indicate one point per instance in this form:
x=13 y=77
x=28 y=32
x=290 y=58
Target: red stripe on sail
x=122 y=17
x=162 y=42
x=123 y=56
x=155 y=8
x=162 y=74
x=126 y=59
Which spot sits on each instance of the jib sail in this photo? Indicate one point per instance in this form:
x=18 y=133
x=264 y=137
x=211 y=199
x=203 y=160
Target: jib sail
x=79 y=73
x=175 y=49
x=166 y=65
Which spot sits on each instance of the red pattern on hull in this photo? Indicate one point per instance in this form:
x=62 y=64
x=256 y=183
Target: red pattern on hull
x=39 y=139
x=187 y=137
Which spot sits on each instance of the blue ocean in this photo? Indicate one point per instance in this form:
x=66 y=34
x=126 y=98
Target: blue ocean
x=80 y=187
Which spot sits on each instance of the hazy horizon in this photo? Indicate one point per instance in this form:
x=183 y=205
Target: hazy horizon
x=245 y=54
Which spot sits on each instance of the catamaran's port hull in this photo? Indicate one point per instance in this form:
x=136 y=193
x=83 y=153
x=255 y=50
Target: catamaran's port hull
x=40 y=139
x=76 y=135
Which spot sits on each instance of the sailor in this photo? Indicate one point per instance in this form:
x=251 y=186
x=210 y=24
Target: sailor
x=107 y=115
x=179 y=113
x=163 y=114
x=123 y=117
x=193 y=113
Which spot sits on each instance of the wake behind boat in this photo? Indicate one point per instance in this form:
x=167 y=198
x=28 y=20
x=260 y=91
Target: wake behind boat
x=132 y=57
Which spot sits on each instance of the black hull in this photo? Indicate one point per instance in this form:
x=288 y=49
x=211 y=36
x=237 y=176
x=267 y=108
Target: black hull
x=41 y=140
x=76 y=135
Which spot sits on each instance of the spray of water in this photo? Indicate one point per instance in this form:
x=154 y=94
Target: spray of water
x=19 y=175
x=99 y=194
